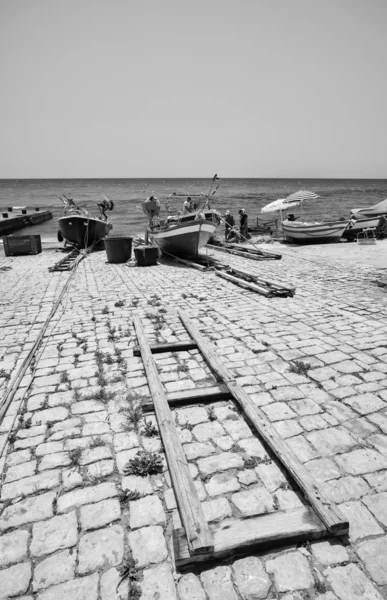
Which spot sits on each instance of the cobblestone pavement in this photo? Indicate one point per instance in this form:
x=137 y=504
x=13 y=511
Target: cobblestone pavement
x=316 y=364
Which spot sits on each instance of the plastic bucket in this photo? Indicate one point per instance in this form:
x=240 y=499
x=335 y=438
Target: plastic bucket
x=118 y=249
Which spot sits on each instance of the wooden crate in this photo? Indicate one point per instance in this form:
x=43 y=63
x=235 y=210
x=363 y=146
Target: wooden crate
x=19 y=245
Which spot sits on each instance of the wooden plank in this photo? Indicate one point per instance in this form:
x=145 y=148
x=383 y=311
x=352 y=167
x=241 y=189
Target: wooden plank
x=245 y=284
x=170 y=347
x=188 y=263
x=257 y=251
x=237 y=253
x=273 y=284
x=331 y=517
x=214 y=393
x=199 y=538
x=248 y=535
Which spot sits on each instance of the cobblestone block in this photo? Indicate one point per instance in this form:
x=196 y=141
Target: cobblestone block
x=86 y=495
x=95 y=428
x=103 y=548
x=332 y=357
x=146 y=511
x=60 y=399
x=247 y=477
x=323 y=469
x=21 y=470
x=303 y=450
x=55 y=569
x=365 y=403
x=208 y=431
x=222 y=483
x=158 y=582
x=378 y=481
x=350 y=583
x=31 y=432
x=362 y=461
x=15 y=580
x=13 y=547
x=86 y=406
x=329 y=553
x=220 y=462
x=361 y=522
x=291 y=572
x=190 y=588
x=94 y=454
x=148 y=545
x=373 y=553
x=50 y=415
x=55 y=534
x=27 y=511
x=71 y=479
x=66 y=424
x=197 y=449
x=224 y=442
x=253 y=447
x=218 y=584
x=94 y=516
x=134 y=483
x=250 y=578
x=29 y=442
x=346 y=488
x=377 y=504
x=322 y=373
x=271 y=476
x=278 y=411
x=331 y=441
x=287 y=499
x=216 y=510
x=287 y=429
x=82 y=588
x=17 y=458
x=122 y=458
x=255 y=501
x=125 y=441
x=30 y=485
x=51 y=461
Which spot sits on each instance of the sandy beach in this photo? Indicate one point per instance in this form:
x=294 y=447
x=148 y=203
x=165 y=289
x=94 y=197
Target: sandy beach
x=80 y=508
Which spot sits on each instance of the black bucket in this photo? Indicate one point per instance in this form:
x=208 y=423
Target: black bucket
x=24 y=211
x=118 y=249
x=10 y=208
x=5 y=215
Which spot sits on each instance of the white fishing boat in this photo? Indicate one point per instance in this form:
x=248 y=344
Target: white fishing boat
x=314 y=233
x=357 y=225
x=182 y=234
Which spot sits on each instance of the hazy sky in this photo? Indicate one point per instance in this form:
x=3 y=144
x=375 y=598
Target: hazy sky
x=187 y=88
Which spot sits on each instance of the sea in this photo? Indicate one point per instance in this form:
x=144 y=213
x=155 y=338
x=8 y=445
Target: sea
x=336 y=198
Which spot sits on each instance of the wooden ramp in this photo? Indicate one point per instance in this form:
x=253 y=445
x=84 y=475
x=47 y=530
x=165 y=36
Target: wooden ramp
x=197 y=541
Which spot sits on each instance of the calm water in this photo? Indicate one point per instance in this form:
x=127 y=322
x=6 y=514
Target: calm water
x=337 y=197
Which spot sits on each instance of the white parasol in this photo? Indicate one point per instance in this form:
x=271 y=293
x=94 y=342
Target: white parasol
x=280 y=204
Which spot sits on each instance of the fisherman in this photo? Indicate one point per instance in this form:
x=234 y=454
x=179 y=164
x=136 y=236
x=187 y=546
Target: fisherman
x=229 y=224
x=187 y=207
x=243 y=228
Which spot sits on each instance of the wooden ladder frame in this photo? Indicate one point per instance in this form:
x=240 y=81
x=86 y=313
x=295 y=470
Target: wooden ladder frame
x=197 y=541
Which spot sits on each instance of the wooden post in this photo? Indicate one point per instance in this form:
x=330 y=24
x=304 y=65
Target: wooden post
x=331 y=517
x=198 y=534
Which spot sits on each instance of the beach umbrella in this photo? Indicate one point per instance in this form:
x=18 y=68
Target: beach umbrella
x=279 y=204
x=301 y=196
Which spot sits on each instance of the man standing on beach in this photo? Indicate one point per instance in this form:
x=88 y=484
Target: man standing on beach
x=229 y=224
x=243 y=228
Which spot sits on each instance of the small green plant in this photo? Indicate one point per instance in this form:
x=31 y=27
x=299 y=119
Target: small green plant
x=211 y=414
x=75 y=456
x=12 y=438
x=133 y=412
x=144 y=463
x=105 y=310
x=135 y=302
x=45 y=402
x=109 y=359
x=119 y=303
x=5 y=374
x=182 y=369
x=128 y=570
x=299 y=367
x=97 y=441
x=149 y=429
x=128 y=496
x=64 y=378
x=28 y=423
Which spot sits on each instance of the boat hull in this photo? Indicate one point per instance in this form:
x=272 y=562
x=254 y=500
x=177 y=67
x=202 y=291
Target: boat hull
x=183 y=239
x=81 y=231
x=319 y=233
x=361 y=224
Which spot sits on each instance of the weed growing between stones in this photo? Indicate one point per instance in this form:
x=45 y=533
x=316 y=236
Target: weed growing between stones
x=135 y=302
x=211 y=414
x=128 y=496
x=133 y=411
x=105 y=310
x=12 y=438
x=154 y=300
x=119 y=303
x=144 y=463
x=149 y=429
x=128 y=570
x=76 y=395
x=75 y=456
x=97 y=441
x=45 y=401
x=64 y=378
x=5 y=374
x=299 y=367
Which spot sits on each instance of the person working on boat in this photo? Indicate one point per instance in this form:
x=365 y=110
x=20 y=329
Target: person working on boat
x=187 y=207
x=243 y=228
x=229 y=224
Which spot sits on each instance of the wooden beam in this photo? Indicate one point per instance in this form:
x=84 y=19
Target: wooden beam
x=248 y=535
x=199 y=538
x=188 y=263
x=238 y=253
x=275 y=285
x=256 y=251
x=331 y=517
x=214 y=393
x=169 y=347
x=245 y=284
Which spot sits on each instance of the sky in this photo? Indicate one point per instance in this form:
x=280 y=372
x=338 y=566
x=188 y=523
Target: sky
x=185 y=88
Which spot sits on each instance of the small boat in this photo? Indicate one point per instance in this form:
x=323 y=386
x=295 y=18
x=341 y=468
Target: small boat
x=376 y=210
x=314 y=233
x=358 y=225
x=81 y=230
x=183 y=234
